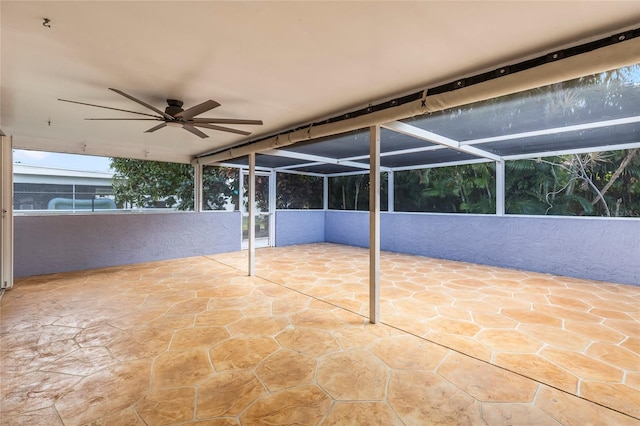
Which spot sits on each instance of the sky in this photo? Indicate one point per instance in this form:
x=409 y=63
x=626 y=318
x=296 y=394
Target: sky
x=61 y=161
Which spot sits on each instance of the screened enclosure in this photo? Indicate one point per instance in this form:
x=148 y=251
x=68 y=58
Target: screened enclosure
x=568 y=148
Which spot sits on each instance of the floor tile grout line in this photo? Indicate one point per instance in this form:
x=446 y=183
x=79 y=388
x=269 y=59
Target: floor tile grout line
x=514 y=372
x=260 y=284
x=296 y=290
x=55 y=410
x=427 y=340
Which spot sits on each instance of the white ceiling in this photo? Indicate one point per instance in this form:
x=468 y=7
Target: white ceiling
x=287 y=63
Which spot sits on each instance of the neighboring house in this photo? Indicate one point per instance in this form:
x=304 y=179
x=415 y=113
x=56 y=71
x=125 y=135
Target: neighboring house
x=47 y=188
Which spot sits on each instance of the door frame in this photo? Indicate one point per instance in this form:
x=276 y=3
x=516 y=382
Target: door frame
x=263 y=242
x=6 y=208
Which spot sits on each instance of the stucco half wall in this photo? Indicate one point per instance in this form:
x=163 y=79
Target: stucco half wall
x=299 y=227
x=60 y=243
x=591 y=248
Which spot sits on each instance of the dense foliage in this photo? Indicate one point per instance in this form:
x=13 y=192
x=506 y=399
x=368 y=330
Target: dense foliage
x=262 y=192
x=298 y=191
x=220 y=188
x=147 y=184
x=156 y=184
x=458 y=189
x=352 y=192
x=601 y=184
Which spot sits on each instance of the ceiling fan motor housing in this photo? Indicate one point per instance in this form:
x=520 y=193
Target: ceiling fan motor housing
x=175 y=107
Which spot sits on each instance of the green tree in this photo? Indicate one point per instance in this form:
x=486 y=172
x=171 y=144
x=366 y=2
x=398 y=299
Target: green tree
x=141 y=183
x=262 y=192
x=220 y=187
x=455 y=189
x=603 y=183
x=594 y=184
x=147 y=184
x=352 y=192
x=298 y=191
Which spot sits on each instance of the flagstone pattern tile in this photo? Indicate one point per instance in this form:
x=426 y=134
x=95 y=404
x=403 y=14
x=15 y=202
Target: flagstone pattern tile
x=195 y=341
x=564 y=332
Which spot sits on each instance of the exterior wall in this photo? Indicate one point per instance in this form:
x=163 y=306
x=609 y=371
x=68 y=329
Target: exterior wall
x=347 y=227
x=299 y=227
x=591 y=248
x=60 y=243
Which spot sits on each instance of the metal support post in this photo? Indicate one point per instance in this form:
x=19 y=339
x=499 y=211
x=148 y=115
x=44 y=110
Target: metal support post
x=500 y=187
x=391 y=195
x=197 y=190
x=6 y=207
x=374 y=225
x=325 y=193
x=252 y=214
x=272 y=207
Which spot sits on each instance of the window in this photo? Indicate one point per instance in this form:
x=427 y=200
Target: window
x=45 y=196
x=53 y=182
x=458 y=189
x=298 y=191
x=146 y=184
x=220 y=188
x=47 y=182
x=351 y=192
x=593 y=184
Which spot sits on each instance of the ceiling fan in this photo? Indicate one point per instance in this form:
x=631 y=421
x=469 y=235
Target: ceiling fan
x=175 y=116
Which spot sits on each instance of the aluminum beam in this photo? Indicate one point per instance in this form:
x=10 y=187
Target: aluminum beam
x=632 y=145
x=555 y=130
x=296 y=172
x=416 y=132
x=398 y=152
x=297 y=166
x=446 y=164
x=316 y=159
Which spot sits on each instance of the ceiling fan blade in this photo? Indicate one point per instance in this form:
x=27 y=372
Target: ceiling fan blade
x=100 y=106
x=227 y=121
x=135 y=119
x=222 y=129
x=190 y=128
x=158 y=127
x=187 y=114
x=152 y=108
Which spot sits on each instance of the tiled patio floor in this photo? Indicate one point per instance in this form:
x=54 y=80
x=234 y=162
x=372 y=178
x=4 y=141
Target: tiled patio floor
x=194 y=341
x=579 y=336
